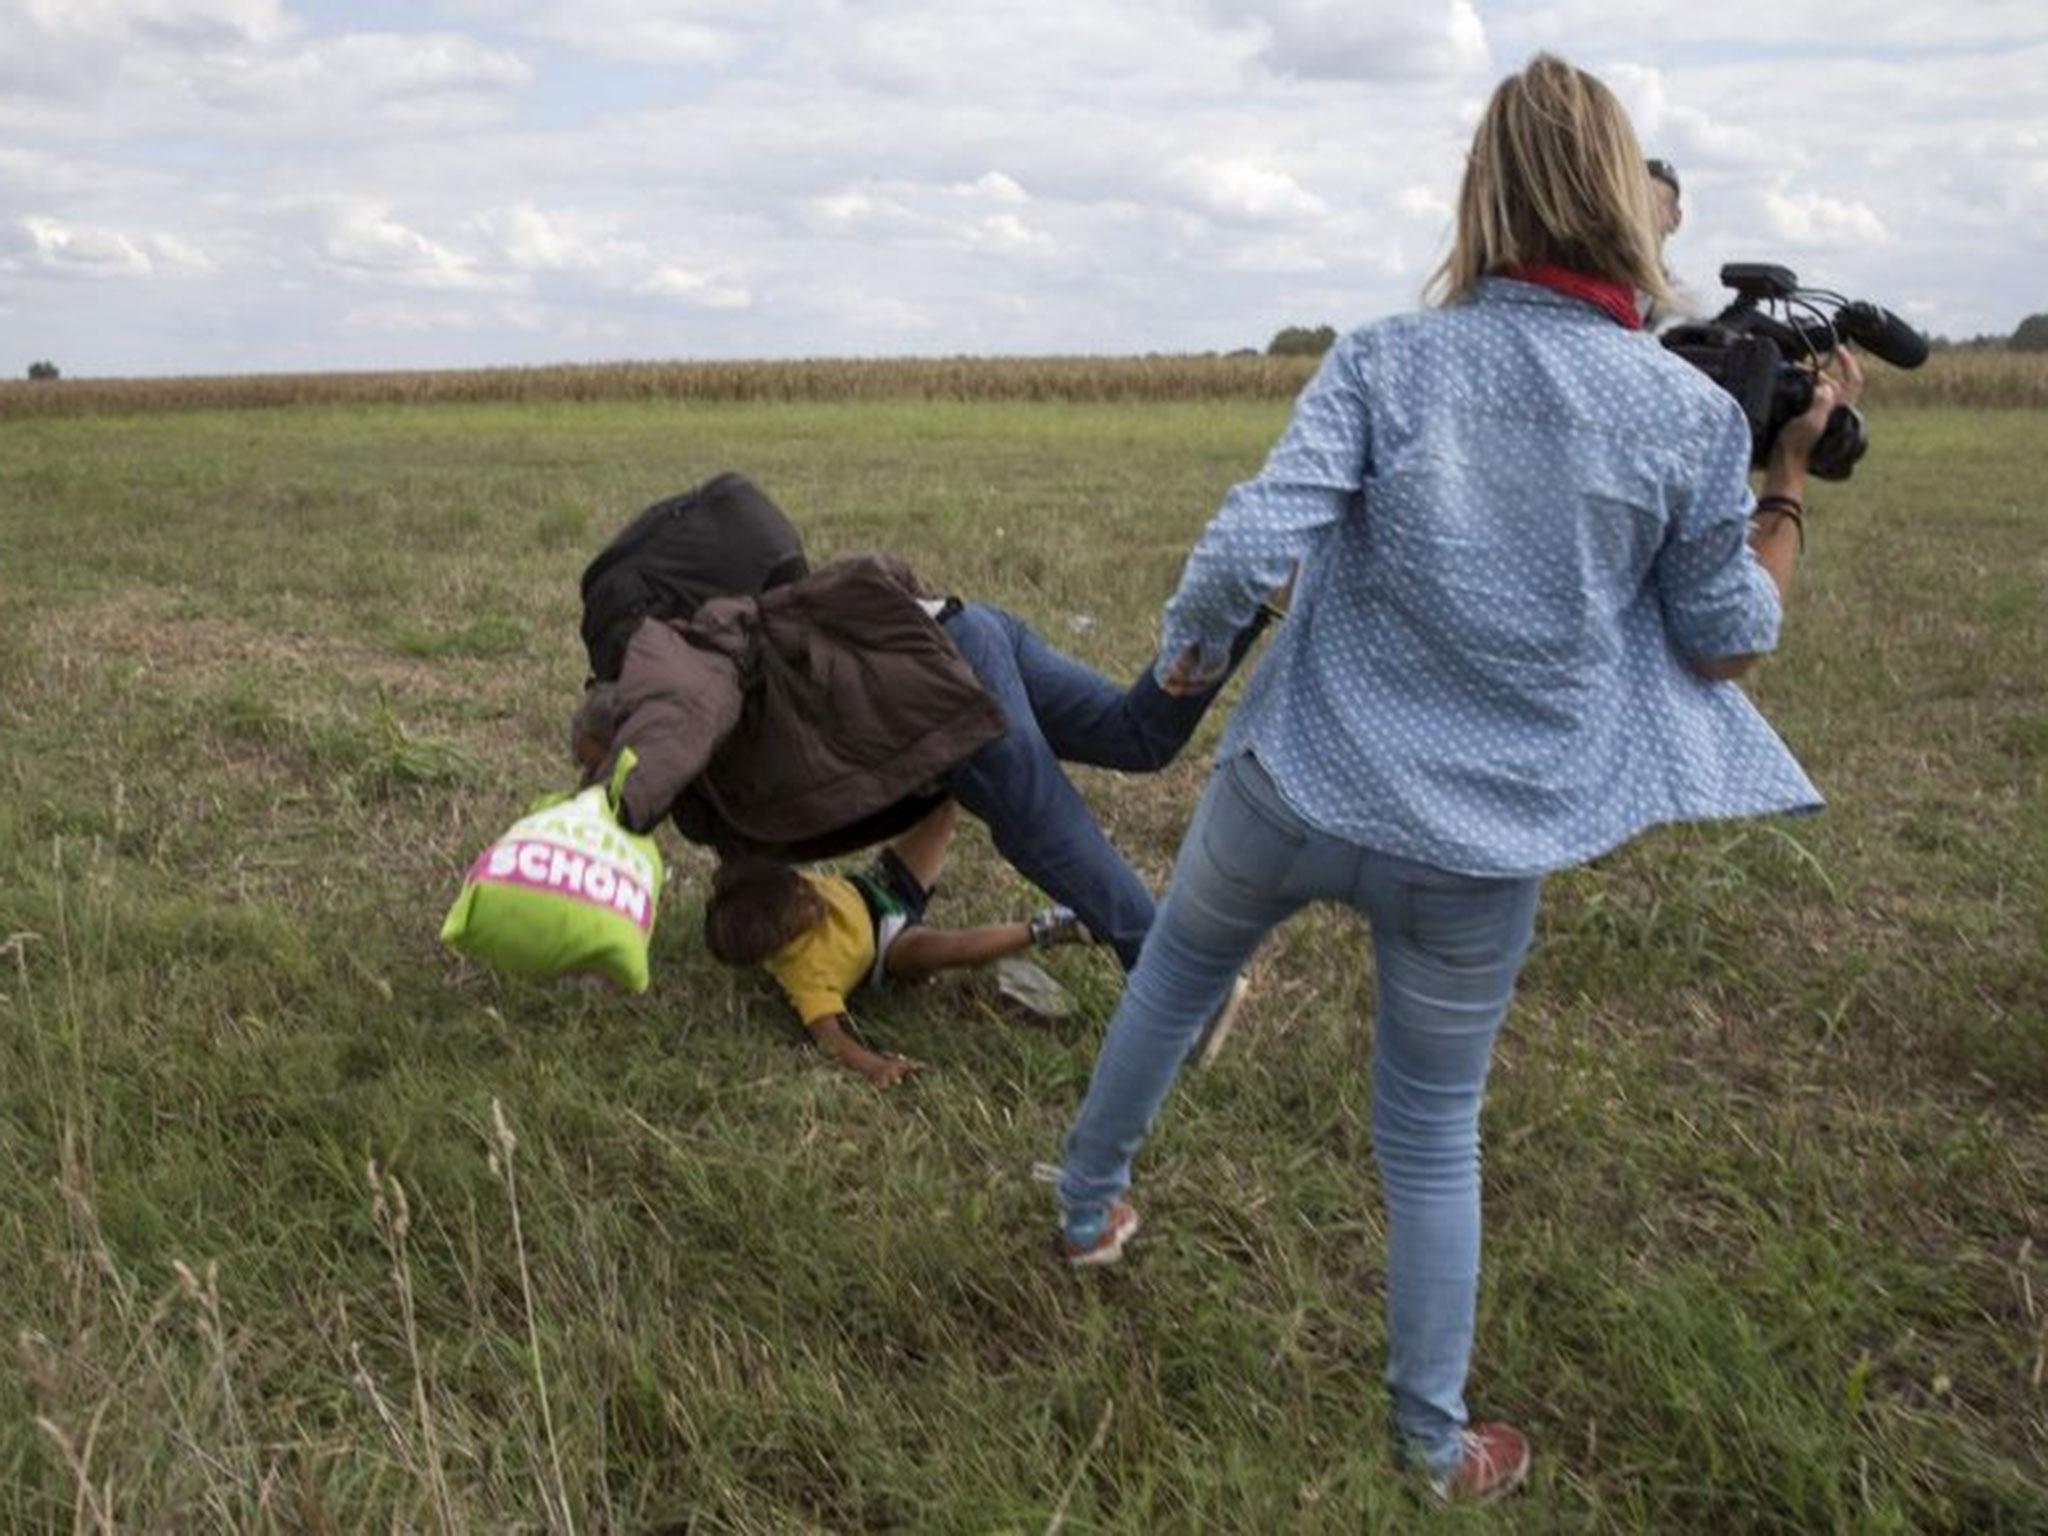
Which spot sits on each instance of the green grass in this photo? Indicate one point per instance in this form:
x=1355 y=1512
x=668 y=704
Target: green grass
x=1766 y=1145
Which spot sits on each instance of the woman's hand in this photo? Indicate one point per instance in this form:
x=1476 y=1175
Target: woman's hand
x=1839 y=382
x=1778 y=533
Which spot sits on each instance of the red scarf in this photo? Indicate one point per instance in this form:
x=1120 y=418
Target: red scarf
x=1615 y=299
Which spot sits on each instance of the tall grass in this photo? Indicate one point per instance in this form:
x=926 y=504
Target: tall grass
x=1106 y=379
x=1974 y=380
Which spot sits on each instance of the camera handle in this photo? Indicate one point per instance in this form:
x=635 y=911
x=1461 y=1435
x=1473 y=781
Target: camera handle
x=1841 y=443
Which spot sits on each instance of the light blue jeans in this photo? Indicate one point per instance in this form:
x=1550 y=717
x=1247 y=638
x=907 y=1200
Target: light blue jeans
x=1446 y=948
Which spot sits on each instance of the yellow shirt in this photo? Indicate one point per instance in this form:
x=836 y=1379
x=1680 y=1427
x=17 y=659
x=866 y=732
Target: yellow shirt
x=820 y=966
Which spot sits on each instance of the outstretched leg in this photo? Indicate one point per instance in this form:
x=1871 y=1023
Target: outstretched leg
x=919 y=953
x=924 y=847
x=1085 y=717
x=1037 y=817
x=1236 y=876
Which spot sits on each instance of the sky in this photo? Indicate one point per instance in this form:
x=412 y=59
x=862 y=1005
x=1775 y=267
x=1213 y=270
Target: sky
x=235 y=186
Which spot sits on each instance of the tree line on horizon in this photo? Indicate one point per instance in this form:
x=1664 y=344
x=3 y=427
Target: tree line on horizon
x=2030 y=335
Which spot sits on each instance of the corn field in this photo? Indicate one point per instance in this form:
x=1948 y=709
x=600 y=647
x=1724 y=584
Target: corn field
x=1972 y=380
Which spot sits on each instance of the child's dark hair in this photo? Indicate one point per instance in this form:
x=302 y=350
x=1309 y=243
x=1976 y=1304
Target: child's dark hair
x=757 y=905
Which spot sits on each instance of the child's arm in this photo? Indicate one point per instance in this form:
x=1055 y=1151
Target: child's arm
x=836 y=1039
x=820 y=1003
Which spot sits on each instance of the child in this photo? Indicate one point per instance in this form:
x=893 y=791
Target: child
x=823 y=935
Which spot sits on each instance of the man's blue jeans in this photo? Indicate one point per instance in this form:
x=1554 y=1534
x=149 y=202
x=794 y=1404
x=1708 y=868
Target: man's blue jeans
x=1446 y=949
x=1061 y=711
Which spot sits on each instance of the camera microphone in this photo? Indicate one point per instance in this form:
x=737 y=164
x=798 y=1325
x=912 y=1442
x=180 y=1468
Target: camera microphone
x=1878 y=331
x=1882 y=333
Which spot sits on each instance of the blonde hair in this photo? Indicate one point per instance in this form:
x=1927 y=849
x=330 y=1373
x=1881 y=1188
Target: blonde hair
x=1554 y=175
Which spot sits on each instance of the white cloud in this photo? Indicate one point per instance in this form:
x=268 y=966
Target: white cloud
x=393 y=317
x=1641 y=90
x=642 y=32
x=693 y=288
x=243 y=68
x=1426 y=204
x=362 y=242
x=838 y=212
x=998 y=50
x=1684 y=132
x=1281 y=256
x=27 y=176
x=508 y=250
x=906 y=212
x=1815 y=222
x=369 y=66
x=71 y=50
x=178 y=24
x=85 y=252
x=1364 y=39
x=2027 y=195
x=994 y=187
x=1004 y=234
x=872 y=322
x=1767 y=27
x=530 y=241
x=178 y=253
x=1242 y=189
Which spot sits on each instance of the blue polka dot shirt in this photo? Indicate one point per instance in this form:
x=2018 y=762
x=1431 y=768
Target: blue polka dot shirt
x=1517 y=523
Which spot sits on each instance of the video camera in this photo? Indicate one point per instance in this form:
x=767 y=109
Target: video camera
x=1766 y=347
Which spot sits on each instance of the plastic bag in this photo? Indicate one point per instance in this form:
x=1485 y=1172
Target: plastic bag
x=566 y=891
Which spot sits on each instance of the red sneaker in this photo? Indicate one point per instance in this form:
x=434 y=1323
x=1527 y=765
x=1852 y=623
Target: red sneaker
x=1108 y=1246
x=1496 y=1461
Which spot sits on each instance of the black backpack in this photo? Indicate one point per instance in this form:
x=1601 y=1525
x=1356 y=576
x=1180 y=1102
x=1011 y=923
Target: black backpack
x=723 y=538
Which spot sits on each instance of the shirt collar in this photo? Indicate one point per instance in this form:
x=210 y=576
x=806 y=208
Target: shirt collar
x=1497 y=289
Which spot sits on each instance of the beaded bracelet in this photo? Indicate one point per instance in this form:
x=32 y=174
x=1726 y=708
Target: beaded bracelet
x=1785 y=506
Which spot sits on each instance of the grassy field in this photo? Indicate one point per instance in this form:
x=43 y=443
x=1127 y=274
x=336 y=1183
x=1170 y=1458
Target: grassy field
x=306 y=1225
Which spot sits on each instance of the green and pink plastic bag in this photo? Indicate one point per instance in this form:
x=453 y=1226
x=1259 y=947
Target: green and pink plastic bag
x=566 y=891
